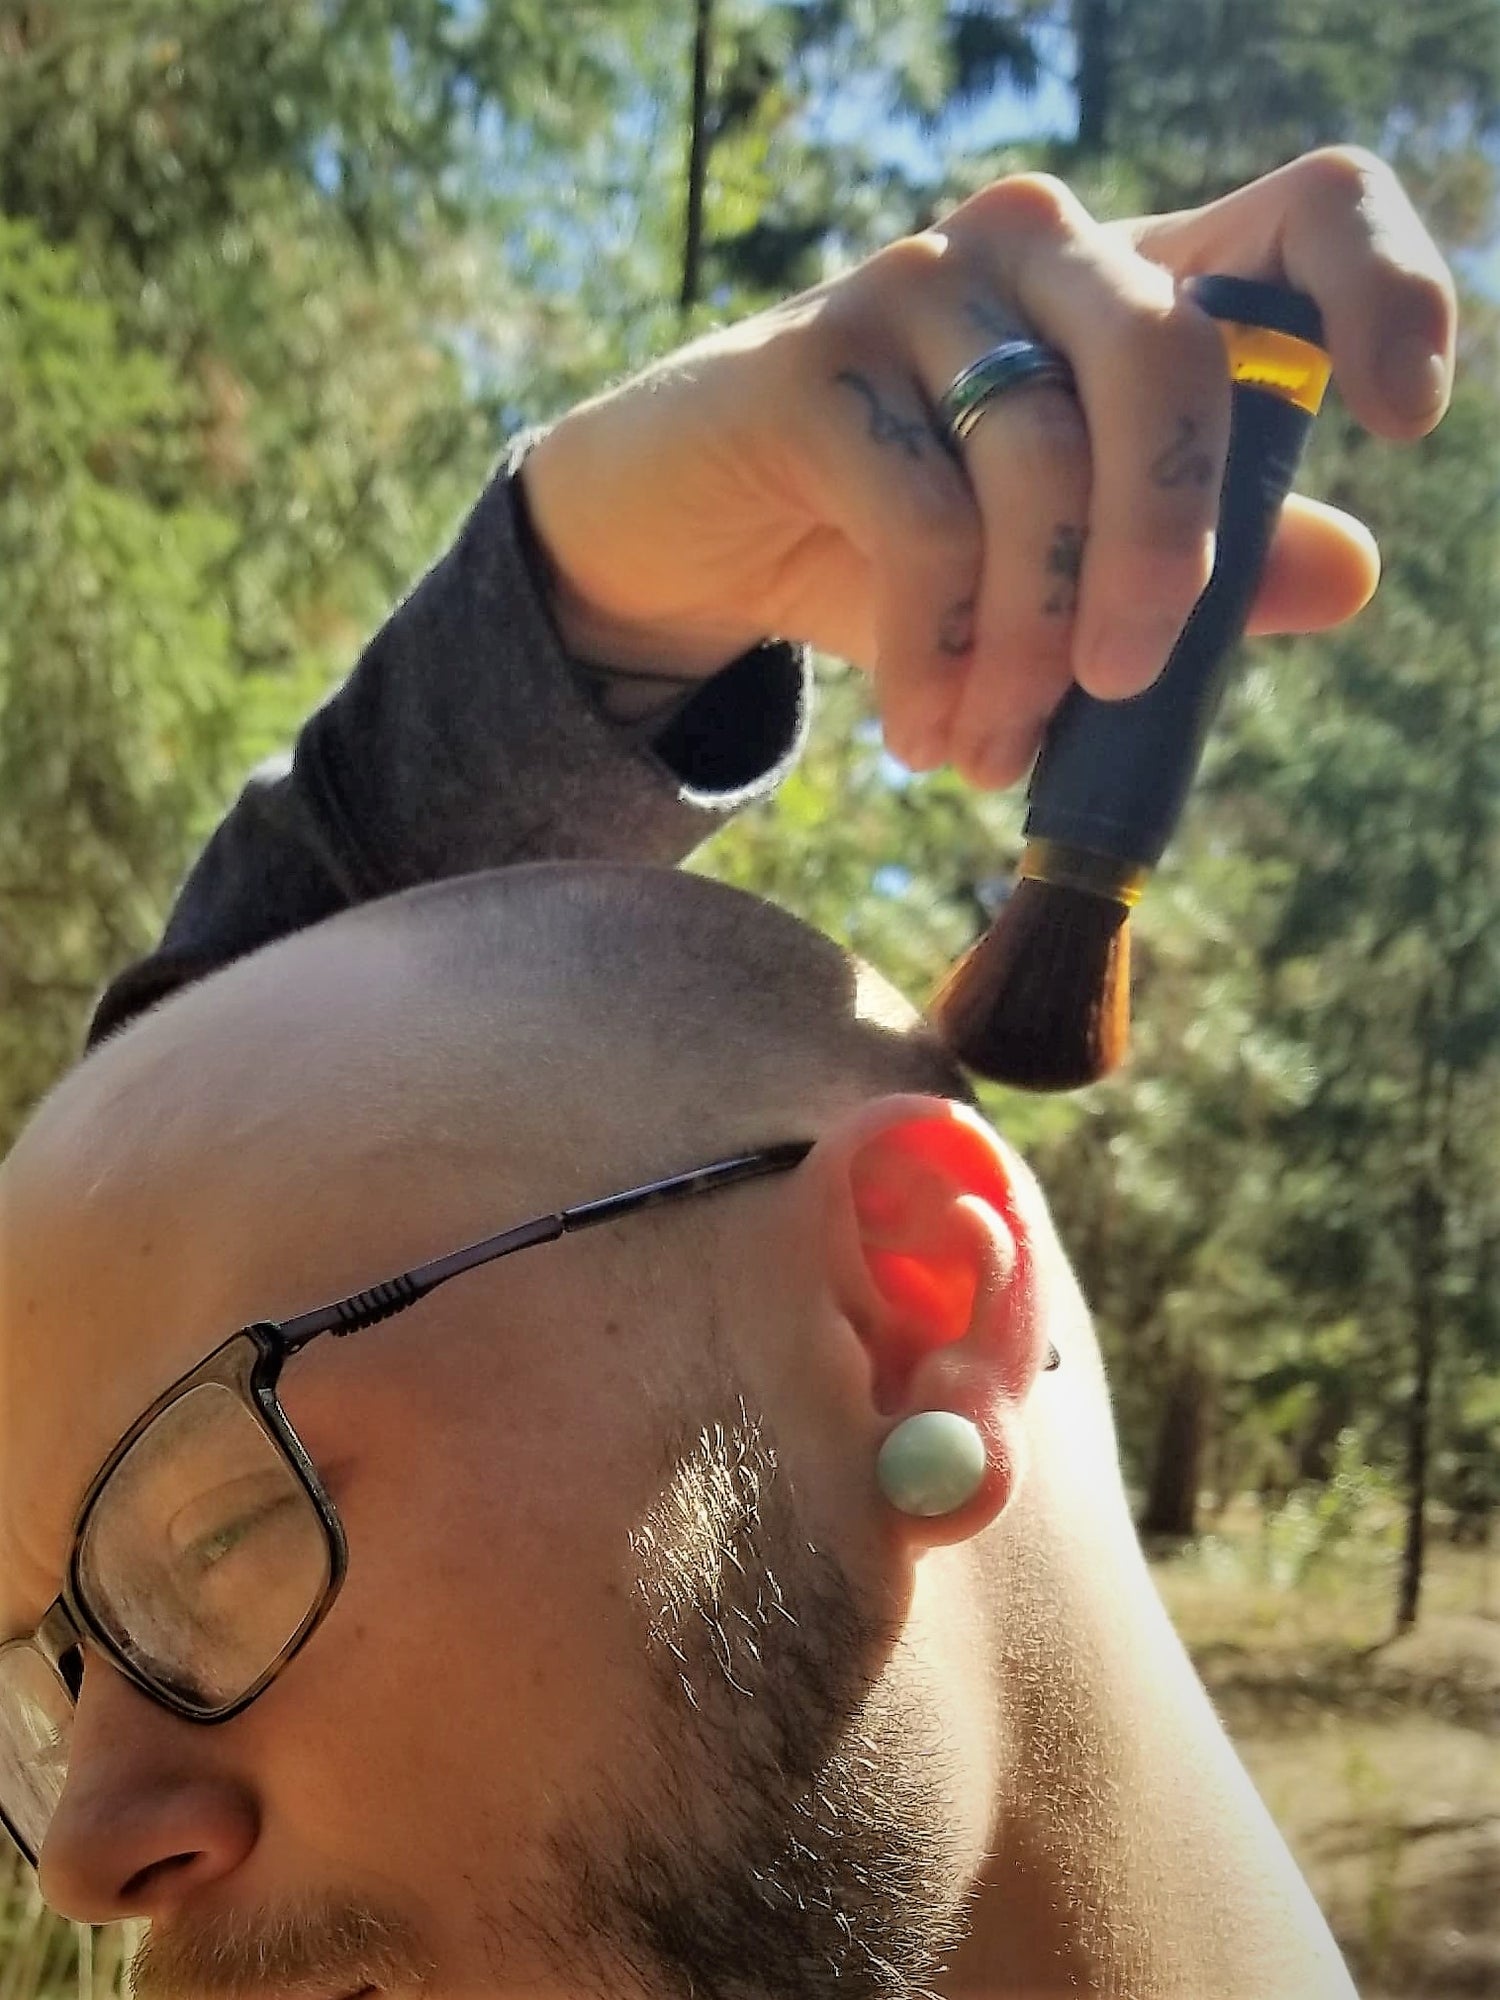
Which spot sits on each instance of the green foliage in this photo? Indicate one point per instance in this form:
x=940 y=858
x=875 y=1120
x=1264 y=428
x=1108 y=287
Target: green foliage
x=237 y=408
x=42 y=1959
x=1206 y=93
x=1352 y=1516
x=277 y=275
x=111 y=629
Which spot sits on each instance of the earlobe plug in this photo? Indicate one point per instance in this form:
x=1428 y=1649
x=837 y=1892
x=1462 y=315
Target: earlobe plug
x=933 y=1463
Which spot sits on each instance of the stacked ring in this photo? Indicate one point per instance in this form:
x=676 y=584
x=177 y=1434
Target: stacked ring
x=1007 y=366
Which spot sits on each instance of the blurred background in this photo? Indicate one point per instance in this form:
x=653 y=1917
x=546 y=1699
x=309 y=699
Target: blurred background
x=277 y=279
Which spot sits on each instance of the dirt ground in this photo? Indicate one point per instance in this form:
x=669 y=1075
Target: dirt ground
x=1379 y=1758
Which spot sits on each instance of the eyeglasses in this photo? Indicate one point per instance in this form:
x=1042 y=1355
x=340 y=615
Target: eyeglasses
x=207 y=1551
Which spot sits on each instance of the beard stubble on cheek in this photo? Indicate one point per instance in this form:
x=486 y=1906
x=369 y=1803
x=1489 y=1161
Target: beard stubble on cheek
x=791 y=1836
x=330 y=1948
x=778 y=1827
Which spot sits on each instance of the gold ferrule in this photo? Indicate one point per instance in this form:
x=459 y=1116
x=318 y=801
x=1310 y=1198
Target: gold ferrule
x=1262 y=358
x=1082 y=868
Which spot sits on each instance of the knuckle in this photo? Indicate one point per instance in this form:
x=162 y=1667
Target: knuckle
x=1346 y=173
x=1195 y=343
x=913 y=256
x=842 y=316
x=1173 y=342
x=1037 y=203
x=1426 y=297
x=869 y=291
x=1352 y=181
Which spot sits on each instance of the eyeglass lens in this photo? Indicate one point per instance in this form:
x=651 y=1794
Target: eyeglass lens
x=202 y=1558
x=36 y=1727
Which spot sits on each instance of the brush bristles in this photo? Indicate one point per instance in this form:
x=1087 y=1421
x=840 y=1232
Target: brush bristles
x=1042 y=1001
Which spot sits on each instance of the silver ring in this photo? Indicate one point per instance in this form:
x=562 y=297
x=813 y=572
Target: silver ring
x=1007 y=366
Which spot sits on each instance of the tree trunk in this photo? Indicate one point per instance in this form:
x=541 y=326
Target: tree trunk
x=698 y=149
x=1172 y=1497
x=1428 y=1213
x=1092 y=41
x=1333 y=1415
x=1427 y=1216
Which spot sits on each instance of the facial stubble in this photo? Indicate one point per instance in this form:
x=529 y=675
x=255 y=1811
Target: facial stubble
x=791 y=1834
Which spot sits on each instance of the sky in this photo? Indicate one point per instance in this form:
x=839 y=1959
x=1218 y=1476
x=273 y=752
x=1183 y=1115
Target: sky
x=1051 y=112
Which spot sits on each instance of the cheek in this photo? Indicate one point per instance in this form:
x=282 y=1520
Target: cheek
x=484 y=1661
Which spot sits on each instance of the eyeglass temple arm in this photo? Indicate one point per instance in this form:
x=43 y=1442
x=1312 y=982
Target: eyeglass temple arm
x=395 y=1295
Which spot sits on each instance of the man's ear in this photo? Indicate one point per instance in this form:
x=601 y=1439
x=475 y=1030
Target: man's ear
x=929 y=1258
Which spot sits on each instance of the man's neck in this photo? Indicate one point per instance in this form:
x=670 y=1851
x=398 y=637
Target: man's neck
x=1131 y=1856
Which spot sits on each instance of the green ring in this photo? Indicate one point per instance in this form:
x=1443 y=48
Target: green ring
x=1008 y=366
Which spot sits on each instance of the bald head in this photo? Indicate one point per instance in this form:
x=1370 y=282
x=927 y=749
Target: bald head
x=564 y=1012
x=404 y=1078
x=613 y=1527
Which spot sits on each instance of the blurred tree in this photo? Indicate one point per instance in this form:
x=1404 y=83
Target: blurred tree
x=790 y=96
x=1383 y=765
x=240 y=404
x=1201 y=94
x=115 y=694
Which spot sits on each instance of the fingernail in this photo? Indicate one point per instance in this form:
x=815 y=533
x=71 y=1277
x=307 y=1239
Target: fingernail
x=1413 y=376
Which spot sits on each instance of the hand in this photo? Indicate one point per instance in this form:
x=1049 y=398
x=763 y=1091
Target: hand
x=789 y=475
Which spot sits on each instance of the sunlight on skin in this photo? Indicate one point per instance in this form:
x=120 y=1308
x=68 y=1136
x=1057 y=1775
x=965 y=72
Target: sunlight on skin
x=1001 y=1681
x=1322 y=568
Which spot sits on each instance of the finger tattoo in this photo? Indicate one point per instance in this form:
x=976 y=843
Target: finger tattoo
x=1064 y=566
x=956 y=632
x=888 y=426
x=1184 y=462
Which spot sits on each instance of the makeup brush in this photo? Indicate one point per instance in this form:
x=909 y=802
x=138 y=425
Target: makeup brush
x=1042 y=1001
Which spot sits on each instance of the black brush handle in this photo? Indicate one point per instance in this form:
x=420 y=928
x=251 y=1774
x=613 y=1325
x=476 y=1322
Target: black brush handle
x=1113 y=776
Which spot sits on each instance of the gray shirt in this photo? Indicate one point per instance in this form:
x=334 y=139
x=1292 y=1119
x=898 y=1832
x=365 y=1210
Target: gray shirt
x=466 y=738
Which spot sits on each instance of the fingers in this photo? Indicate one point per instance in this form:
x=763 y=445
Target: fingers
x=1355 y=243
x=1155 y=394
x=1028 y=465
x=882 y=472
x=1321 y=569
x=974 y=555
x=1069 y=538
x=1337 y=223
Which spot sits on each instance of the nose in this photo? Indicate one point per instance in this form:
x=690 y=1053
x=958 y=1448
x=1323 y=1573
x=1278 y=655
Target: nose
x=149 y=1816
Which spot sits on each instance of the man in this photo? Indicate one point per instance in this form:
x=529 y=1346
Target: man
x=727 y=1600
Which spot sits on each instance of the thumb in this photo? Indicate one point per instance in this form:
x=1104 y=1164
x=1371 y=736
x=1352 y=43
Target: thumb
x=1322 y=567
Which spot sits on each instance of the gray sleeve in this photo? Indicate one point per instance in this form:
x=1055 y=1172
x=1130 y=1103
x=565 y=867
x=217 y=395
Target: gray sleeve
x=465 y=738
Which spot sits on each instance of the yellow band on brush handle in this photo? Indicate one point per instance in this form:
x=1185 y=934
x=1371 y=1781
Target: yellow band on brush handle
x=1095 y=874
x=1263 y=358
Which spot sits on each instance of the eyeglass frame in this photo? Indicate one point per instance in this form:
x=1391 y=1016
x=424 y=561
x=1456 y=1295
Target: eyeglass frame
x=68 y=1621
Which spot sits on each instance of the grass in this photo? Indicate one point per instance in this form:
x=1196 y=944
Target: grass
x=1380 y=1758
x=43 y=1959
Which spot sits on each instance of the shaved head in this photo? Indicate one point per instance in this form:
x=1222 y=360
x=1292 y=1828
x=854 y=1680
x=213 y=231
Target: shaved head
x=561 y=1028
x=618 y=1019
x=679 y=1745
